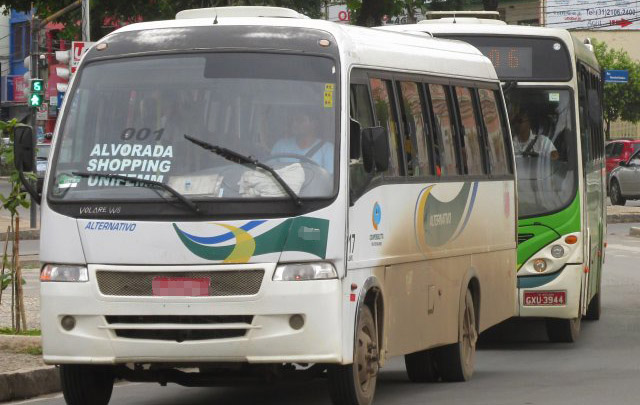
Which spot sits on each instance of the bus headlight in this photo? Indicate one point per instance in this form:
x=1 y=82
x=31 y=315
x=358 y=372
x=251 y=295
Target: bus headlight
x=304 y=271
x=539 y=265
x=64 y=272
x=557 y=251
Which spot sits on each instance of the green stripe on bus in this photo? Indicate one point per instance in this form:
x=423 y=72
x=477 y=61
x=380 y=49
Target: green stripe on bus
x=536 y=281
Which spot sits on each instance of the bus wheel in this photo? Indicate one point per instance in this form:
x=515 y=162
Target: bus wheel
x=563 y=330
x=455 y=362
x=595 y=306
x=86 y=384
x=421 y=366
x=616 y=194
x=355 y=384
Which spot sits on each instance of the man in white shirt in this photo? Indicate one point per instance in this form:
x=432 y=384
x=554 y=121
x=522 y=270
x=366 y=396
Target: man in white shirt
x=526 y=143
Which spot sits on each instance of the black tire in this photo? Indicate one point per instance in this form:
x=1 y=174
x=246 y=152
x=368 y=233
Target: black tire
x=86 y=384
x=595 y=306
x=421 y=366
x=616 y=193
x=355 y=384
x=455 y=362
x=563 y=330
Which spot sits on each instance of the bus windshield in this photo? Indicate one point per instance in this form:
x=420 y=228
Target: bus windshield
x=544 y=145
x=130 y=116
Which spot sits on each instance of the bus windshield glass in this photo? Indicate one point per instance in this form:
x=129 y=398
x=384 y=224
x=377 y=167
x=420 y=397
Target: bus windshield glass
x=544 y=146
x=130 y=116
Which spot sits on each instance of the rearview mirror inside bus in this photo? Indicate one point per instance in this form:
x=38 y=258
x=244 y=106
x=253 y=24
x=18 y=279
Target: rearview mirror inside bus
x=23 y=149
x=375 y=149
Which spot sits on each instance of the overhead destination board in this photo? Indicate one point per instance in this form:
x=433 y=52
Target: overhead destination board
x=594 y=15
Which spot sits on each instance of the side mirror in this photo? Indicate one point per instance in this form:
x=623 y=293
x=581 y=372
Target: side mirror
x=375 y=149
x=23 y=148
x=355 y=139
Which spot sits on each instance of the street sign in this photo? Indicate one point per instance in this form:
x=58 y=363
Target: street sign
x=42 y=113
x=616 y=76
x=78 y=48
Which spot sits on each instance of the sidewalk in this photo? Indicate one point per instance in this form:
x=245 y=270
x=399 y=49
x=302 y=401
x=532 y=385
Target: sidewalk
x=617 y=214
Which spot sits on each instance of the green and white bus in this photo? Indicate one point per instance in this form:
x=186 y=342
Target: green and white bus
x=553 y=91
x=250 y=198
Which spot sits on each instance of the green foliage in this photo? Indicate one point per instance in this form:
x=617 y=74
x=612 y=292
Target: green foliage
x=16 y=197
x=28 y=332
x=127 y=11
x=621 y=101
x=5 y=280
x=34 y=351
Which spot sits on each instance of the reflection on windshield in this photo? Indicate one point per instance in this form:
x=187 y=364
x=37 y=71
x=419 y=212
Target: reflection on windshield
x=543 y=141
x=129 y=117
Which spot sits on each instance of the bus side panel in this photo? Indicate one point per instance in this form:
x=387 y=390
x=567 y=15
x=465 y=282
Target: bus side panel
x=430 y=238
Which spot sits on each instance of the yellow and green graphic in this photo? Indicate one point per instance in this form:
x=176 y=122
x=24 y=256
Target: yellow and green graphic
x=302 y=234
x=439 y=222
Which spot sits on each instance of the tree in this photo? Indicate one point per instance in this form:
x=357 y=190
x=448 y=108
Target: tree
x=127 y=11
x=621 y=101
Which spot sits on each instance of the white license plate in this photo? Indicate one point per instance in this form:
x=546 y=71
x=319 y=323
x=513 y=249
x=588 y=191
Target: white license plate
x=544 y=298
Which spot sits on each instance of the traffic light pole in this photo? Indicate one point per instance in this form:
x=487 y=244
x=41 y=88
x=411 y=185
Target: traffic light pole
x=35 y=30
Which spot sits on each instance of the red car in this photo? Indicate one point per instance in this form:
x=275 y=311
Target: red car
x=619 y=150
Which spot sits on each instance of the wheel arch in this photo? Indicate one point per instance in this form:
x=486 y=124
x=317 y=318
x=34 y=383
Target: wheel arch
x=371 y=295
x=471 y=282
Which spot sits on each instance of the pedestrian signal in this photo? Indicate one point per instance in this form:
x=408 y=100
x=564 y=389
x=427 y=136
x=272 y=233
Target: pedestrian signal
x=37 y=86
x=35 y=100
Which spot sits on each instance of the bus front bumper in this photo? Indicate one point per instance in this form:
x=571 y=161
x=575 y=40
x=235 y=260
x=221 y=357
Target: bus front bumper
x=534 y=293
x=269 y=334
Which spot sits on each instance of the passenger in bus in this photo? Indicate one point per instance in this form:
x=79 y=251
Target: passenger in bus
x=305 y=140
x=526 y=143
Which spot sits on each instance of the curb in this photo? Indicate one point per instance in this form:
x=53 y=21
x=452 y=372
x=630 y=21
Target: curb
x=623 y=218
x=29 y=384
x=634 y=231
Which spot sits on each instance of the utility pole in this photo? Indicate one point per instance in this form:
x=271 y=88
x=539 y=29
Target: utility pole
x=35 y=36
x=86 y=21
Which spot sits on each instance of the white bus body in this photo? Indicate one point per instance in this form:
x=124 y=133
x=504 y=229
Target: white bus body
x=149 y=281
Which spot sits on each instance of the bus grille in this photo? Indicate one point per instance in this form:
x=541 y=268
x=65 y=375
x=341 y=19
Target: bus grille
x=179 y=328
x=139 y=283
x=523 y=237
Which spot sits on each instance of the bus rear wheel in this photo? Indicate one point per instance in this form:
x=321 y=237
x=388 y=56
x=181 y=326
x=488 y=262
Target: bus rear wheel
x=355 y=384
x=455 y=362
x=563 y=330
x=86 y=384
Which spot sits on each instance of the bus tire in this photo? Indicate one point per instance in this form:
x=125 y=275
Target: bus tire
x=616 y=193
x=86 y=384
x=421 y=366
x=595 y=306
x=455 y=362
x=355 y=384
x=563 y=330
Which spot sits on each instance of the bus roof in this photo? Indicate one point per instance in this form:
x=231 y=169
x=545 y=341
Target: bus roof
x=437 y=27
x=362 y=46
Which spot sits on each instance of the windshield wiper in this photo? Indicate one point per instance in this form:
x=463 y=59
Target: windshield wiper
x=135 y=181
x=236 y=157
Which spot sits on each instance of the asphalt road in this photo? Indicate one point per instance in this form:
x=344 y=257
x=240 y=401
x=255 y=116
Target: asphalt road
x=515 y=363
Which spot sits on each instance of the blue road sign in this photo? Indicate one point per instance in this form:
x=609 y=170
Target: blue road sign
x=616 y=76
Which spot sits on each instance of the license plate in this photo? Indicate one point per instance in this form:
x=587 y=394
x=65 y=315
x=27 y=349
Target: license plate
x=544 y=298
x=180 y=287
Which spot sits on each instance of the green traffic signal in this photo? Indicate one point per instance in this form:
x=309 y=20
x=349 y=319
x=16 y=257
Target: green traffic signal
x=37 y=85
x=35 y=100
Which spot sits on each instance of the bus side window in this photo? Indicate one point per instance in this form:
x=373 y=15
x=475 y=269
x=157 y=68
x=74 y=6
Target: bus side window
x=446 y=164
x=472 y=151
x=415 y=145
x=498 y=155
x=386 y=118
x=584 y=116
x=360 y=105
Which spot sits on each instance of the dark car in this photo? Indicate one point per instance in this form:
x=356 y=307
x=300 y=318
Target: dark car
x=618 y=151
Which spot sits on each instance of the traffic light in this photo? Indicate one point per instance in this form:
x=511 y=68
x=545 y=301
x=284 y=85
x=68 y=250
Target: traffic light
x=62 y=70
x=37 y=86
x=36 y=100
